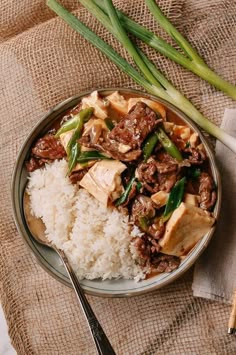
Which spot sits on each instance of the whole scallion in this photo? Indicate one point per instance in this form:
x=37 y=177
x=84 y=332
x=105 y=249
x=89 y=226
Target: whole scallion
x=191 y=60
x=164 y=90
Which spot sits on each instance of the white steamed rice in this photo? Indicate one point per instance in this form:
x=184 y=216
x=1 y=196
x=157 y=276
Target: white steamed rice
x=97 y=240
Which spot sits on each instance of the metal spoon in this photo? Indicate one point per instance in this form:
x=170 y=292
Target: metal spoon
x=37 y=229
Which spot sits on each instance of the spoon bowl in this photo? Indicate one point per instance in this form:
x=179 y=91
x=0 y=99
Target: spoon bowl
x=37 y=230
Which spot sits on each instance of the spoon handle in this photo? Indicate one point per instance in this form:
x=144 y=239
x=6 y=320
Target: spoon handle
x=100 y=339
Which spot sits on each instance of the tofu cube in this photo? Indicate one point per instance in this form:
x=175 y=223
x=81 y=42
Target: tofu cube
x=182 y=131
x=194 y=140
x=123 y=148
x=95 y=101
x=118 y=102
x=168 y=126
x=187 y=225
x=191 y=199
x=103 y=180
x=65 y=138
x=160 y=198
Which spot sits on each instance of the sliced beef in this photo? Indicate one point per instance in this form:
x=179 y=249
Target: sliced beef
x=106 y=145
x=135 y=126
x=207 y=192
x=146 y=247
x=34 y=163
x=158 y=175
x=165 y=263
x=143 y=247
x=142 y=207
x=45 y=150
x=77 y=176
x=148 y=251
x=156 y=229
x=130 y=131
x=143 y=214
x=196 y=156
x=48 y=147
x=167 y=181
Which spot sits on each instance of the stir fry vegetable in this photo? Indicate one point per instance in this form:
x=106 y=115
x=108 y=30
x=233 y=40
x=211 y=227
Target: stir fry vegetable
x=125 y=194
x=166 y=142
x=85 y=157
x=67 y=126
x=74 y=153
x=109 y=123
x=162 y=87
x=168 y=145
x=149 y=145
x=73 y=147
x=194 y=173
x=72 y=123
x=174 y=199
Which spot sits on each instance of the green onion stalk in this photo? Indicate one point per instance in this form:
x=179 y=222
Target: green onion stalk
x=156 y=85
x=175 y=199
x=191 y=60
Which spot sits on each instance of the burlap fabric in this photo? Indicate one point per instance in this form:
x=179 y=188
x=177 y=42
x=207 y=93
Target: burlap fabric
x=42 y=61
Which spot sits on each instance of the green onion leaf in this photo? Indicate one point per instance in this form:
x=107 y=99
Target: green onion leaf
x=67 y=126
x=91 y=155
x=168 y=145
x=75 y=150
x=123 y=198
x=193 y=63
x=80 y=118
x=110 y=125
x=175 y=199
x=149 y=145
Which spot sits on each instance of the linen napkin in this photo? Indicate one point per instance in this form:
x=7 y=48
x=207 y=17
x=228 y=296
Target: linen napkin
x=215 y=272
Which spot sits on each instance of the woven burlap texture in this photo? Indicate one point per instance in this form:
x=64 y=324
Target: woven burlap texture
x=43 y=61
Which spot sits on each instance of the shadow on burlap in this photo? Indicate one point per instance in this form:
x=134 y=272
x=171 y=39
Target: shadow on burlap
x=42 y=61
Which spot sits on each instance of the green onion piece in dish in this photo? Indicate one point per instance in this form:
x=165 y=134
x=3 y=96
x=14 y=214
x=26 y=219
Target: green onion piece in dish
x=164 y=90
x=73 y=147
x=110 y=125
x=143 y=223
x=168 y=145
x=193 y=173
x=80 y=118
x=123 y=198
x=74 y=153
x=138 y=186
x=175 y=199
x=85 y=157
x=72 y=123
x=67 y=126
x=149 y=145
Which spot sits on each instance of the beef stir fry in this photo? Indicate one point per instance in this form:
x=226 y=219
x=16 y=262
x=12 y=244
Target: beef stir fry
x=131 y=154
